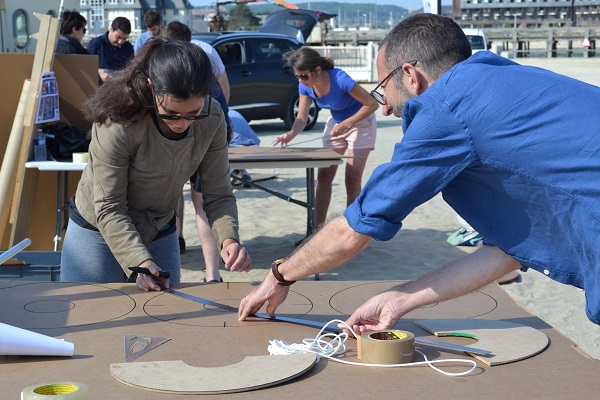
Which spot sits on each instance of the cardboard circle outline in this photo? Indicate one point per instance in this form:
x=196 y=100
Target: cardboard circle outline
x=76 y=311
x=491 y=305
x=148 y=306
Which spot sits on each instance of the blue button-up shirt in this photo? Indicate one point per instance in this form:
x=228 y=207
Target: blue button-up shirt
x=515 y=150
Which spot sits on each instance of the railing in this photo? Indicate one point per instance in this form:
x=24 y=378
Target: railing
x=545 y=42
x=522 y=42
x=356 y=61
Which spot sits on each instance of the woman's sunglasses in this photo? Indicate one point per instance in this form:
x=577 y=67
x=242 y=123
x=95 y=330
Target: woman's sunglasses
x=175 y=117
x=304 y=77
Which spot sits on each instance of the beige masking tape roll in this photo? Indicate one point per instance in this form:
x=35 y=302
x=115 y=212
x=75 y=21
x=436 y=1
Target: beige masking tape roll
x=386 y=347
x=56 y=391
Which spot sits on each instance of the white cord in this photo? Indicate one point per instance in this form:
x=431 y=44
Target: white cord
x=329 y=345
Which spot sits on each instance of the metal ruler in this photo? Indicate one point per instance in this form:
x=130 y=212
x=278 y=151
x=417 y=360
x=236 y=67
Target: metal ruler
x=319 y=325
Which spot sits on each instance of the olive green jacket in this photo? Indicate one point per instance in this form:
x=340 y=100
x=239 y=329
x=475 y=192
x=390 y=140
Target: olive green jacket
x=134 y=178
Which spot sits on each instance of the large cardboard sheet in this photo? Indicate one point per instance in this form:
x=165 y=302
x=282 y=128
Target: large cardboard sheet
x=96 y=319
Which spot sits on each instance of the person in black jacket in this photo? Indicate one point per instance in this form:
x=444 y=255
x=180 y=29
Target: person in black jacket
x=72 y=29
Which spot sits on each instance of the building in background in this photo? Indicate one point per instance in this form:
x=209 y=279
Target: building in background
x=17 y=22
x=526 y=13
x=100 y=13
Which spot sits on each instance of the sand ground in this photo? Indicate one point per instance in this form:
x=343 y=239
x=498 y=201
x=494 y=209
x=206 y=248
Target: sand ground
x=269 y=227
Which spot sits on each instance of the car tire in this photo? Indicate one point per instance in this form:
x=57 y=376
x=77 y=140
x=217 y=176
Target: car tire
x=292 y=110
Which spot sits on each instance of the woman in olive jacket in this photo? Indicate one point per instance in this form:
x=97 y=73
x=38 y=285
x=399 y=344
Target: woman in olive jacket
x=154 y=125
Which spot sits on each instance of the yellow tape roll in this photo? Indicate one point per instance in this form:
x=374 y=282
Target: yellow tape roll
x=56 y=391
x=386 y=347
x=81 y=157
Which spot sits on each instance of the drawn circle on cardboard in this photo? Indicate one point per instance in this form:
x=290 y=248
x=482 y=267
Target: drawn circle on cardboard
x=168 y=308
x=471 y=305
x=51 y=305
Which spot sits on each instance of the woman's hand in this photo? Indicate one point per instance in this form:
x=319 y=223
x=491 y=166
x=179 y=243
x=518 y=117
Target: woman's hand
x=284 y=139
x=340 y=129
x=235 y=256
x=151 y=282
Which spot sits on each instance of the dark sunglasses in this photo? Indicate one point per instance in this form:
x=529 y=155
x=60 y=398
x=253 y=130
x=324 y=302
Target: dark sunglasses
x=84 y=30
x=304 y=77
x=175 y=117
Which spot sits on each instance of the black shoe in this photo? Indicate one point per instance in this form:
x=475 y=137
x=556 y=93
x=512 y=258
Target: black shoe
x=246 y=178
x=181 y=245
x=213 y=281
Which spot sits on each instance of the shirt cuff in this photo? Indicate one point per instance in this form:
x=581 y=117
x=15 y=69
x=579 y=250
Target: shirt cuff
x=375 y=227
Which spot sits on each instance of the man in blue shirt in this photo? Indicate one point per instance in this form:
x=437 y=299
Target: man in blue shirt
x=153 y=23
x=513 y=149
x=112 y=48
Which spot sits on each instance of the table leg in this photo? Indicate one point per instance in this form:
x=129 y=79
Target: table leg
x=311 y=218
x=59 y=206
x=311 y=225
x=66 y=202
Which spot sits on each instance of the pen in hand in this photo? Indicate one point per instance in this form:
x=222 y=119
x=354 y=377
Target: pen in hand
x=146 y=271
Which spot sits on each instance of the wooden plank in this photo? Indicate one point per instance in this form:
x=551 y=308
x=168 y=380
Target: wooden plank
x=25 y=184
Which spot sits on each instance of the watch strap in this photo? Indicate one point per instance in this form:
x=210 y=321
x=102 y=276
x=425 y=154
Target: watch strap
x=275 y=270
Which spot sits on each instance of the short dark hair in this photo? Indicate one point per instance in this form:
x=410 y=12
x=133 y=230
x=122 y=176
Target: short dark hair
x=176 y=30
x=435 y=41
x=121 y=24
x=152 y=18
x=70 y=20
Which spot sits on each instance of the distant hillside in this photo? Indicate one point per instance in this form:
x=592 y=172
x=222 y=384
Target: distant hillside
x=348 y=14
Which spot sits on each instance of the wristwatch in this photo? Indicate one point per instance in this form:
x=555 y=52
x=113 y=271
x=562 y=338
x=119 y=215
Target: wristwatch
x=280 y=279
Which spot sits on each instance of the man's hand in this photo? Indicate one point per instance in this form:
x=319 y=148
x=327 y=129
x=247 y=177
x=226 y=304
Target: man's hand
x=377 y=313
x=269 y=291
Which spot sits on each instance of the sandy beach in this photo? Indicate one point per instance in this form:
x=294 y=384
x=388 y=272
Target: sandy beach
x=269 y=227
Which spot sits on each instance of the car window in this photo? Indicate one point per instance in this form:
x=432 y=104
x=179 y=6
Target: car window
x=267 y=50
x=230 y=53
x=476 y=42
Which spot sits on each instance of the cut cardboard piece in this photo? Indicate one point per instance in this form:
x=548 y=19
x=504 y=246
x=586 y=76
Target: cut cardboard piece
x=507 y=341
x=15 y=341
x=177 y=377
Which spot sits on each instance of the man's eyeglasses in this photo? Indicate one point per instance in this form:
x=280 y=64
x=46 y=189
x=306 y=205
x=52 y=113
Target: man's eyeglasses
x=304 y=77
x=380 y=98
x=175 y=117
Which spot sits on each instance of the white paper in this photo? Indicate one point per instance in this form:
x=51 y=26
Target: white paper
x=21 y=342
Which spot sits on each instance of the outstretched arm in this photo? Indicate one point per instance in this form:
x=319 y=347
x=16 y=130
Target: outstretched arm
x=299 y=123
x=333 y=245
x=463 y=276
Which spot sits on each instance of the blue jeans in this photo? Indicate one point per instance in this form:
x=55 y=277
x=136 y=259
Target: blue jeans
x=87 y=258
